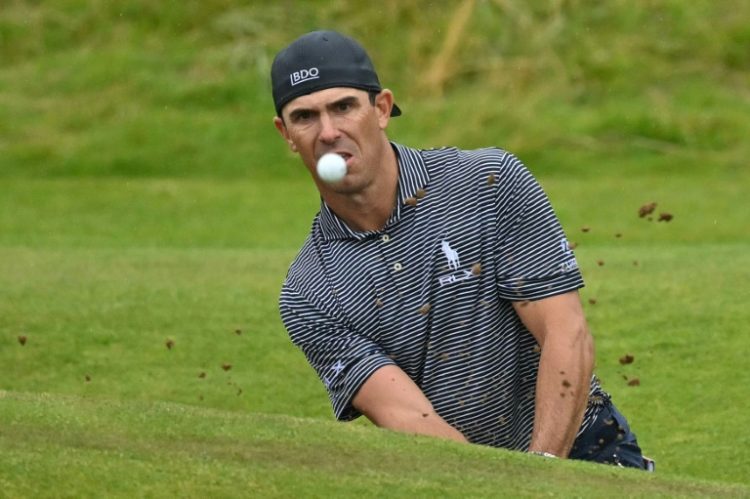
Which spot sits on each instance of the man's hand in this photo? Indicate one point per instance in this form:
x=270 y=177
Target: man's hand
x=390 y=399
x=565 y=369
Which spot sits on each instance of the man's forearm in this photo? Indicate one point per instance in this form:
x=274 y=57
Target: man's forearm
x=562 y=391
x=390 y=399
x=427 y=423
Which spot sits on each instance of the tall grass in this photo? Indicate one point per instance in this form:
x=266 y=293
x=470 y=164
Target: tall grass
x=181 y=88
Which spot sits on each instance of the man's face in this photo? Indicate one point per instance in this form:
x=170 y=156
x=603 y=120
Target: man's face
x=340 y=120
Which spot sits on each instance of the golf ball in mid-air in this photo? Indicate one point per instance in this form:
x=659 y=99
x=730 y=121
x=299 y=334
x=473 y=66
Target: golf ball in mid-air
x=331 y=167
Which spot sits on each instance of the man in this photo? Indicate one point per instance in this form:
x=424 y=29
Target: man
x=436 y=293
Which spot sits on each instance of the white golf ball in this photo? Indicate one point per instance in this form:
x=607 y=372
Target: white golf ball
x=331 y=167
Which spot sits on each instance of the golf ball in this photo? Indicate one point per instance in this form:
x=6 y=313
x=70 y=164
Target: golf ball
x=331 y=167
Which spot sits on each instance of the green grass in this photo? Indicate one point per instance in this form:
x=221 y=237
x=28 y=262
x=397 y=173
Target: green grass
x=134 y=88
x=92 y=446
x=145 y=197
x=100 y=273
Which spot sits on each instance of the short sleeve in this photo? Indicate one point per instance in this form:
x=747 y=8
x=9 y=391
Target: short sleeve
x=342 y=359
x=533 y=257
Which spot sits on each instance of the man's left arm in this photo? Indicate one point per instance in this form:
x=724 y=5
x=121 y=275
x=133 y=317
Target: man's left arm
x=565 y=368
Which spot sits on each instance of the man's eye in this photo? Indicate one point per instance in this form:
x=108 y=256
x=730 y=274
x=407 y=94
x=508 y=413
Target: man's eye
x=344 y=106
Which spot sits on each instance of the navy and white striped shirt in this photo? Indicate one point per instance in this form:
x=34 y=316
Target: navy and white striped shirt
x=472 y=231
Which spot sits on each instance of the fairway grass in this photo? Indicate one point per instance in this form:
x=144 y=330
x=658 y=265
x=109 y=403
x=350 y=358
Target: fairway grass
x=99 y=275
x=56 y=445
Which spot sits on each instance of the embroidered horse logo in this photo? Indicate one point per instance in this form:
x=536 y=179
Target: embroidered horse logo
x=451 y=255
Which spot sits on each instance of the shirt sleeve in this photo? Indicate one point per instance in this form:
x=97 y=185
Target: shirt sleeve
x=342 y=359
x=533 y=258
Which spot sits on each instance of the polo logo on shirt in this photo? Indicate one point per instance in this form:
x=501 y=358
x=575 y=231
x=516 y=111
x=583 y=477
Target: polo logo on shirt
x=451 y=255
x=304 y=75
x=454 y=262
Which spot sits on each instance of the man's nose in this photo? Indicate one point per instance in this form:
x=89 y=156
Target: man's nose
x=329 y=132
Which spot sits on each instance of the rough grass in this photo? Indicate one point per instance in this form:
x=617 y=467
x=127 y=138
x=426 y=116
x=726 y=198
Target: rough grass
x=138 y=88
x=94 y=446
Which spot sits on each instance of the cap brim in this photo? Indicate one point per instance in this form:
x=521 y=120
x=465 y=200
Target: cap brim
x=395 y=110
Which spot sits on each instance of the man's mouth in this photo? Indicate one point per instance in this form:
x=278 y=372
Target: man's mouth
x=345 y=155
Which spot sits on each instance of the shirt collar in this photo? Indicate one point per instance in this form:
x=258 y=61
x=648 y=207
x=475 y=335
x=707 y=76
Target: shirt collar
x=412 y=178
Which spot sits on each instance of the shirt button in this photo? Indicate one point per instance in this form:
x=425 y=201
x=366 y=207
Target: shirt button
x=397 y=266
x=385 y=238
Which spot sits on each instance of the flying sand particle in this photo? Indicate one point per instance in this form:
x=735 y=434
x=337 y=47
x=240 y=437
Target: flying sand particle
x=202 y=374
x=421 y=193
x=585 y=228
x=600 y=263
x=425 y=309
x=665 y=217
x=626 y=359
x=226 y=367
x=491 y=179
x=634 y=382
x=592 y=301
x=476 y=269
x=169 y=344
x=646 y=209
x=411 y=201
x=22 y=340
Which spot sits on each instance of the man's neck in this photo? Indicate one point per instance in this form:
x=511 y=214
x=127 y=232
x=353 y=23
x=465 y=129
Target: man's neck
x=370 y=209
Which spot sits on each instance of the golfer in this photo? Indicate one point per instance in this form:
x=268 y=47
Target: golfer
x=436 y=293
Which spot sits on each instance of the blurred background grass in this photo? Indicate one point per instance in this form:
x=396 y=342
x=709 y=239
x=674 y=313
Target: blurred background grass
x=136 y=88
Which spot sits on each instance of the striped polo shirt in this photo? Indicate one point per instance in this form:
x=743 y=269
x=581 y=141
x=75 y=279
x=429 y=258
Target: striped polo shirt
x=432 y=292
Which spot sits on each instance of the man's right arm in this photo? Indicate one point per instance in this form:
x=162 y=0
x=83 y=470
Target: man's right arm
x=390 y=399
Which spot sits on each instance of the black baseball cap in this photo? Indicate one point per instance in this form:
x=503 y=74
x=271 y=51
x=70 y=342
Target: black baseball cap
x=320 y=60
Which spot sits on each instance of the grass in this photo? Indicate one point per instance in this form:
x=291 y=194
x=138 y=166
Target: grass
x=145 y=198
x=131 y=88
x=99 y=274
x=172 y=449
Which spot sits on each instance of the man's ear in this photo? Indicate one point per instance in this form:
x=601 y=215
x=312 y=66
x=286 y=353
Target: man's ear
x=281 y=127
x=384 y=104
